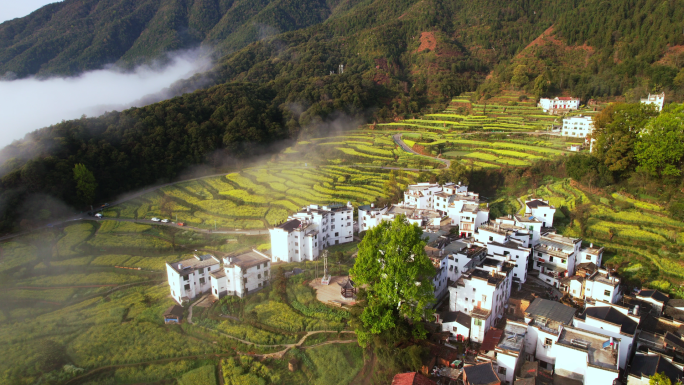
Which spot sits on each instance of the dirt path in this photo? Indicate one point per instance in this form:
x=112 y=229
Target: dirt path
x=405 y=147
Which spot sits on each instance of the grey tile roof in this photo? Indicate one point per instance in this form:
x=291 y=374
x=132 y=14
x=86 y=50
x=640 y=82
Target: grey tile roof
x=552 y=310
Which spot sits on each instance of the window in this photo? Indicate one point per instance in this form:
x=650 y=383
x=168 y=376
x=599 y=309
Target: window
x=478 y=322
x=186 y=278
x=337 y=234
x=187 y=287
x=515 y=274
x=348 y=223
x=258 y=266
x=296 y=243
x=455 y=329
x=202 y=281
x=484 y=298
x=245 y=281
x=216 y=291
x=502 y=370
x=259 y=284
x=548 y=342
x=606 y=293
x=491 y=239
x=265 y=265
x=296 y=251
x=265 y=273
x=588 y=258
x=539 y=254
x=550 y=259
x=200 y=270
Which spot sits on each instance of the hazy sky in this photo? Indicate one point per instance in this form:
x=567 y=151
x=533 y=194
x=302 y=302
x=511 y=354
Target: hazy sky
x=30 y=104
x=10 y=9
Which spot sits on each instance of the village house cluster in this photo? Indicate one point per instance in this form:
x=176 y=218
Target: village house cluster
x=481 y=271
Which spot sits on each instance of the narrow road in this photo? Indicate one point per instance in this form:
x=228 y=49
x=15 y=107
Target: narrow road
x=405 y=147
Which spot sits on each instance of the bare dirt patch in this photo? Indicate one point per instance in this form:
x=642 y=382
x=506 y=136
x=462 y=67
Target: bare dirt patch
x=673 y=56
x=427 y=42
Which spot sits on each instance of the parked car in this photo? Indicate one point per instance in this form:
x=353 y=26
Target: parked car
x=165 y=221
x=156 y=220
x=181 y=224
x=98 y=216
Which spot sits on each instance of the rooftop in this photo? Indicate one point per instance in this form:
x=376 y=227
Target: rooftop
x=593 y=344
x=174 y=311
x=482 y=374
x=456 y=316
x=535 y=203
x=600 y=276
x=247 y=260
x=649 y=364
x=653 y=294
x=592 y=250
x=613 y=316
x=290 y=225
x=526 y=218
x=513 y=337
x=551 y=310
x=187 y=266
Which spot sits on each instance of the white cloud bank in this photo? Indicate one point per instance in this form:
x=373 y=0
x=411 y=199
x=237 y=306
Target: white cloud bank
x=29 y=104
x=11 y=9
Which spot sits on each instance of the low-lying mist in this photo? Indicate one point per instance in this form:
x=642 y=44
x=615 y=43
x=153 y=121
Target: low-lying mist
x=29 y=104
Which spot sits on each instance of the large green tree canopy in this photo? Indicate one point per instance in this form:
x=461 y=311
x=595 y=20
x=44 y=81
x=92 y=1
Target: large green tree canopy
x=393 y=263
x=616 y=131
x=660 y=146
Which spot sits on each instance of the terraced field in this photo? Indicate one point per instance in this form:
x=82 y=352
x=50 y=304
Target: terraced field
x=339 y=169
x=644 y=244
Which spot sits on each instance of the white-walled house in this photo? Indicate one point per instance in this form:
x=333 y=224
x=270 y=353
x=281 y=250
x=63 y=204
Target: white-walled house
x=500 y=244
x=587 y=356
x=241 y=274
x=559 y=104
x=577 y=126
x=656 y=299
x=510 y=352
x=657 y=100
x=191 y=277
x=611 y=320
x=482 y=293
x=541 y=210
x=310 y=230
x=295 y=241
x=467 y=216
x=370 y=216
x=603 y=286
x=554 y=257
x=420 y=195
x=591 y=254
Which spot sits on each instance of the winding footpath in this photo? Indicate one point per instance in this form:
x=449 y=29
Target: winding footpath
x=407 y=148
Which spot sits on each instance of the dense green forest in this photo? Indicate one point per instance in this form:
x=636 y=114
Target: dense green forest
x=275 y=77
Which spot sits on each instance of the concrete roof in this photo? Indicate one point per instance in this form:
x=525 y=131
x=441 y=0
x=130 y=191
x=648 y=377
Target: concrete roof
x=187 y=266
x=609 y=314
x=592 y=343
x=248 y=259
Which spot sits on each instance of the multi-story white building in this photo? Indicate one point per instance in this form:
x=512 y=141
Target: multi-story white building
x=310 y=230
x=657 y=100
x=500 y=243
x=370 y=216
x=591 y=357
x=614 y=321
x=421 y=195
x=555 y=256
x=482 y=293
x=577 y=126
x=241 y=274
x=559 y=105
x=467 y=216
x=541 y=210
x=510 y=352
x=603 y=286
x=591 y=254
x=191 y=277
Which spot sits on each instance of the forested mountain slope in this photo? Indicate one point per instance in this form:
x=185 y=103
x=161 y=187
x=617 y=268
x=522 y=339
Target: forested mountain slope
x=603 y=49
x=73 y=36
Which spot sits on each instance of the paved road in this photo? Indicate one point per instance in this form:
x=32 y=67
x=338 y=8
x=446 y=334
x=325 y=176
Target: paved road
x=405 y=147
